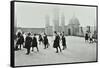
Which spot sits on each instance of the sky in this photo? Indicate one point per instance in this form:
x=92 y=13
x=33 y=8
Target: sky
x=33 y=15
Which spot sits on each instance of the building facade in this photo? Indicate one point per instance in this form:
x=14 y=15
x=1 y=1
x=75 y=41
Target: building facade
x=73 y=28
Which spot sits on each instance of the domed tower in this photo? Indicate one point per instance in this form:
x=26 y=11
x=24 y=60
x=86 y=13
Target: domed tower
x=74 y=26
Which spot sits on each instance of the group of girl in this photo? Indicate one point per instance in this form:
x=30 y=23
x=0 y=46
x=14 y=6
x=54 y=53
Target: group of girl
x=90 y=37
x=57 y=38
x=31 y=41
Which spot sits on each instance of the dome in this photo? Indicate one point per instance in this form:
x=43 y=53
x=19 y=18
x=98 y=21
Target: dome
x=74 y=21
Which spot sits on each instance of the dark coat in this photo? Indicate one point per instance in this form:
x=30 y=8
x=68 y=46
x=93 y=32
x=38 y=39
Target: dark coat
x=86 y=36
x=28 y=42
x=20 y=40
x=56 y=41
x=19 y=34
x=40 y=38
x=45 y=40
x=34 y=42
x=63 y=41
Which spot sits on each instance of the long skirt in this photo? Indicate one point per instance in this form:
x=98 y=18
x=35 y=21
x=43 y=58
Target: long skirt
x=55 y=45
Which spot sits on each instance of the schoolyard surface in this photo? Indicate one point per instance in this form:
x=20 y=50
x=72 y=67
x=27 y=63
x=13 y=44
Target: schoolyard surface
x=77 y=51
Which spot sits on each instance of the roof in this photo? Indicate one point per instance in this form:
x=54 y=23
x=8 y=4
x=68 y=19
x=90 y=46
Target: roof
x=74 y=21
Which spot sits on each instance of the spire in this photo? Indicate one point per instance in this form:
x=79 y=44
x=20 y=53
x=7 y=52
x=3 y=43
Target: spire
x=47 y=23
x=62 y=20
x=56 y=19
x=56 y=16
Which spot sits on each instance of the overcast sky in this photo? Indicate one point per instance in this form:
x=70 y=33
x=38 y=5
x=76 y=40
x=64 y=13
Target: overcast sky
x=32 y=15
